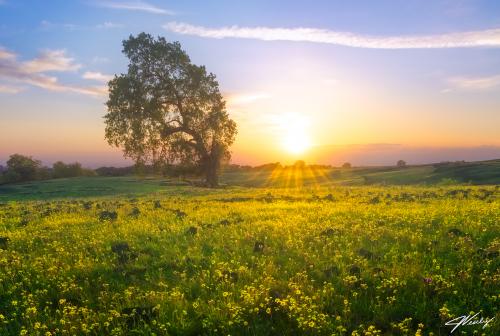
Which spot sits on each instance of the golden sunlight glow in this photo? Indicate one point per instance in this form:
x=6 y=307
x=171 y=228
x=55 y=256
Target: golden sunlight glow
x=296 y=143
x=295 y=138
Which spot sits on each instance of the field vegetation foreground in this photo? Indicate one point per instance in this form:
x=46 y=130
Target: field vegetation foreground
x=334 y=260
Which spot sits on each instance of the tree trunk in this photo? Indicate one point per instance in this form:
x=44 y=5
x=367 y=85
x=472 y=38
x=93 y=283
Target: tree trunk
x=212 y=168
x=212 y=178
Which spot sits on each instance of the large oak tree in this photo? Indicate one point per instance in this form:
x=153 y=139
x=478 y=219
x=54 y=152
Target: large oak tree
x=167 y=110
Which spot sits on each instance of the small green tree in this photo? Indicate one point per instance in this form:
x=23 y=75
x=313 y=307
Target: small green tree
x=21 y=168
x=167 y=110
x=60 y=169
x=401 y=164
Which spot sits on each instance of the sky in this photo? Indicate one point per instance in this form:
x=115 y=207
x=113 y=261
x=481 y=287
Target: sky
x=368 y=82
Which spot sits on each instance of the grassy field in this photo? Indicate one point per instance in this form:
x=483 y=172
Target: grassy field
x=474 y=173
x=81 y=187
x=143 y=256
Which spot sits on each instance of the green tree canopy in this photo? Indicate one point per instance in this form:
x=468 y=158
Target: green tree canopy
x=166 y=110
x=346 y=165
x=22 y=168
x=61 y=169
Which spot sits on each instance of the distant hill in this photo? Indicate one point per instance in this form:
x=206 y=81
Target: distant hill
x=480 y=172
x=476 y=173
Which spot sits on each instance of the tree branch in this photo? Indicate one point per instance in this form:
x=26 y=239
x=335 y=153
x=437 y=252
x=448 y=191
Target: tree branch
x=168 y=131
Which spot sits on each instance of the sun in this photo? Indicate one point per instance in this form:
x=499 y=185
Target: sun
x=295 y=138
x=296 y=142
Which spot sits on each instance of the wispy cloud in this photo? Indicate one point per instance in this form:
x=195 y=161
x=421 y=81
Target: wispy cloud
x=6 y=54
x=474 y=83
x=135 y=6
x=32 y=72
x=51 y=60
x=109 y=25
x=47 y=25
x=97 y=76
x=480 y=38
x=10 y=89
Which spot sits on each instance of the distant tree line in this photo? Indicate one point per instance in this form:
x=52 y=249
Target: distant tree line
x=21 y=168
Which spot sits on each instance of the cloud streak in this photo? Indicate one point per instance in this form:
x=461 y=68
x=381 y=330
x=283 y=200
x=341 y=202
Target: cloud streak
x=6 y=55
x=32 y=72
x=51 y=60
x=48 y=26
x=97 y=76
x=135 y=6
x=475 y=83
x=479 y=38
x=10 y=89
x=110 y=25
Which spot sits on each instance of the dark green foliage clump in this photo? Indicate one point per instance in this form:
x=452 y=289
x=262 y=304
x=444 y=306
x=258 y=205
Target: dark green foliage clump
x=4 y=241
x=135 y=212
x=123 y=252
x=258 y=246
x=108 y=215
x=192 y=230
x=179 y=213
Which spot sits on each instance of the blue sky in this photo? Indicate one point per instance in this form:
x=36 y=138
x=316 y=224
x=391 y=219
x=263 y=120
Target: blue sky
x=417 y=74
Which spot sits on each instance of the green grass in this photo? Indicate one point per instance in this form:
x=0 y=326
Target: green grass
x=485 y=172
x=344 y=252
x=178 y=260
x=475 y=173
x=82 y=187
